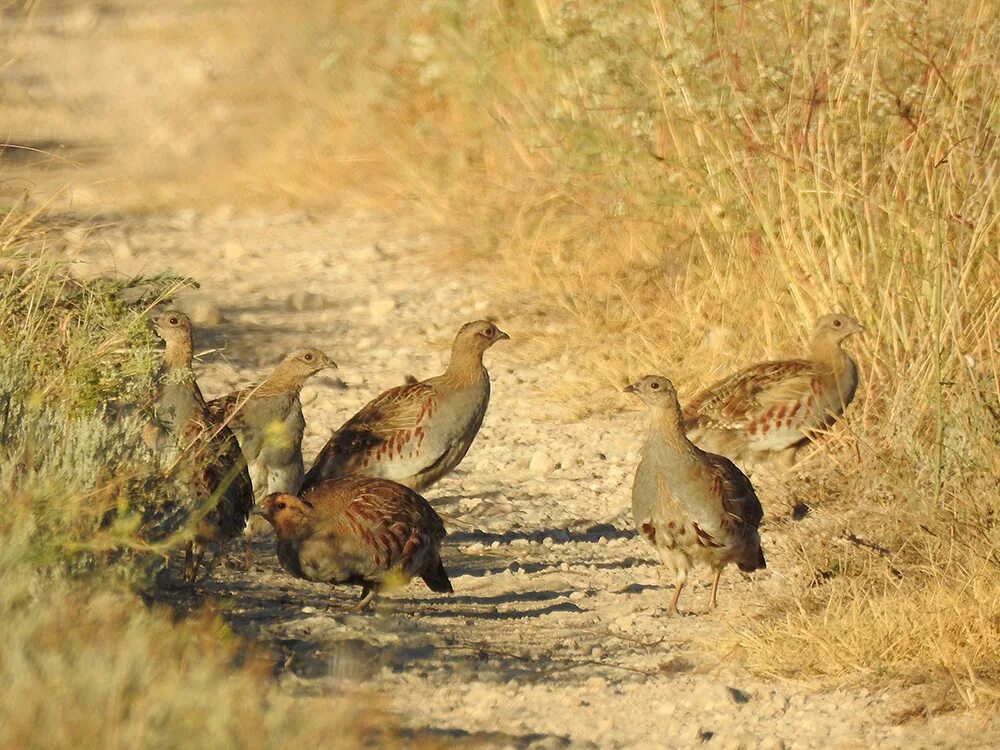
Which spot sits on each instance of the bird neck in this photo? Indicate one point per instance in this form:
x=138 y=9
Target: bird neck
x=465 y=368
x=668 y=423
x=178 y=355
x=828 y=354
x=281 y=382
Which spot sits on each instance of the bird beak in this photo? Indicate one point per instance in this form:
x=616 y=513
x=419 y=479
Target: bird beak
x=630 y=389
x=258 y=512
x=331 y=365
x=501 y=336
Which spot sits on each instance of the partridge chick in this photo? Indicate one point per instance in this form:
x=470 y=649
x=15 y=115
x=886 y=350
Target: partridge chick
x=416 y=433
x=267 y=419
x=772 y=409
x=371 y=532
x=210 y=463
x=691 y=505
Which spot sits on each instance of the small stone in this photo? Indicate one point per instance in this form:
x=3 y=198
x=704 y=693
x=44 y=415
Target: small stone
x=738 y=696
x=541 y=463
x=380 y=308
x=202 y=312
x=81 y=21
x=301 y=301
x=233 y=250
x=576 y=596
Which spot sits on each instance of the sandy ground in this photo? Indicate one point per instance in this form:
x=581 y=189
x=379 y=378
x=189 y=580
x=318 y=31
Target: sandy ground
x=556 y=635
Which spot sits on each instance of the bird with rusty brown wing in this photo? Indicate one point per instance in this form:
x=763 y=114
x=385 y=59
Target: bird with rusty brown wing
x=416 y=433
x=371 y=532
x=768 y=411
x=692 y=506
x=268 y=421
x=208 y=459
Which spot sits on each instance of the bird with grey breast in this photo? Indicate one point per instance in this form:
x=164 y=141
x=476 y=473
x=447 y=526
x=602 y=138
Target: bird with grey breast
x=209 y=463
x=416 y=433
x=691 y=505
x=371 y=532
x=767 y=412
x=268 y=421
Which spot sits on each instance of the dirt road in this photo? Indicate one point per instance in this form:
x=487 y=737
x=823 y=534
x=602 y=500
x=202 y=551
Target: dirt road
x=557 y=633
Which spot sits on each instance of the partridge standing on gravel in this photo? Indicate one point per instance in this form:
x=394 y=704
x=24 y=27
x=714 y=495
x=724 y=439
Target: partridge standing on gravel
x=772 y=409
x=210 y=463
x=416 y=433
x=691 y=505
x=267 y=419
x=371 y=532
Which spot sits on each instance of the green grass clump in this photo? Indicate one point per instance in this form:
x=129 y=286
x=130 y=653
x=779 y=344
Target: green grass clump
x=77 y=368
x=88 y=519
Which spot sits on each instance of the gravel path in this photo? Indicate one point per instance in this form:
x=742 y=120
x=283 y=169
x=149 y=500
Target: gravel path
x=556 y=635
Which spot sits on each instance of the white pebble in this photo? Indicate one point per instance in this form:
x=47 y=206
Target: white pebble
x=541 y=463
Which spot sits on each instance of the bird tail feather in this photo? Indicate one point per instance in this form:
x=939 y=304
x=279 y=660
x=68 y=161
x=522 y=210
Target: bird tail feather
x=436 y=577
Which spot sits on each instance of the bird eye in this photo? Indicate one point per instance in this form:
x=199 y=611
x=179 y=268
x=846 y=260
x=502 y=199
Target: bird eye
x=490 y=331
x=838 y=323
x=174 y=321
x=655 y=386
x=280 y=505
x=307 y=357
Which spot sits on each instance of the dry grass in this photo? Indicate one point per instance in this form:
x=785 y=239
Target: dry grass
x=683 y=187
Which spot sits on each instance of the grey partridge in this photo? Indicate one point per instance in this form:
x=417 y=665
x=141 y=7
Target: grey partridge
x=371 y=532
x=770 y=410
x=692 y=506
x=210 y=464
x=416 y=433
x=267 y=419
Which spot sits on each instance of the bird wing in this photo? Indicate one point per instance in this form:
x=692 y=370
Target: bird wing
x=222 y=477
x=736 y=494
x=383 y=428
x=390 y=521
x=227 y=408
x=738 y=400
x=456 y=449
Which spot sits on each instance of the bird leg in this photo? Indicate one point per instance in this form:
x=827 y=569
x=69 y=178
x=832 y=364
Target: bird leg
x=672 y=609
x=713 y=603
x=368 y=593
x=192 y=560
x=188 y=556
x=679 y=562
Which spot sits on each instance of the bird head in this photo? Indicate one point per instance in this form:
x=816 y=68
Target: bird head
x=172 y=326
x=284 y=512
x=835 y=327
x=307 y=361
x=655 y=391
x=479 y=335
